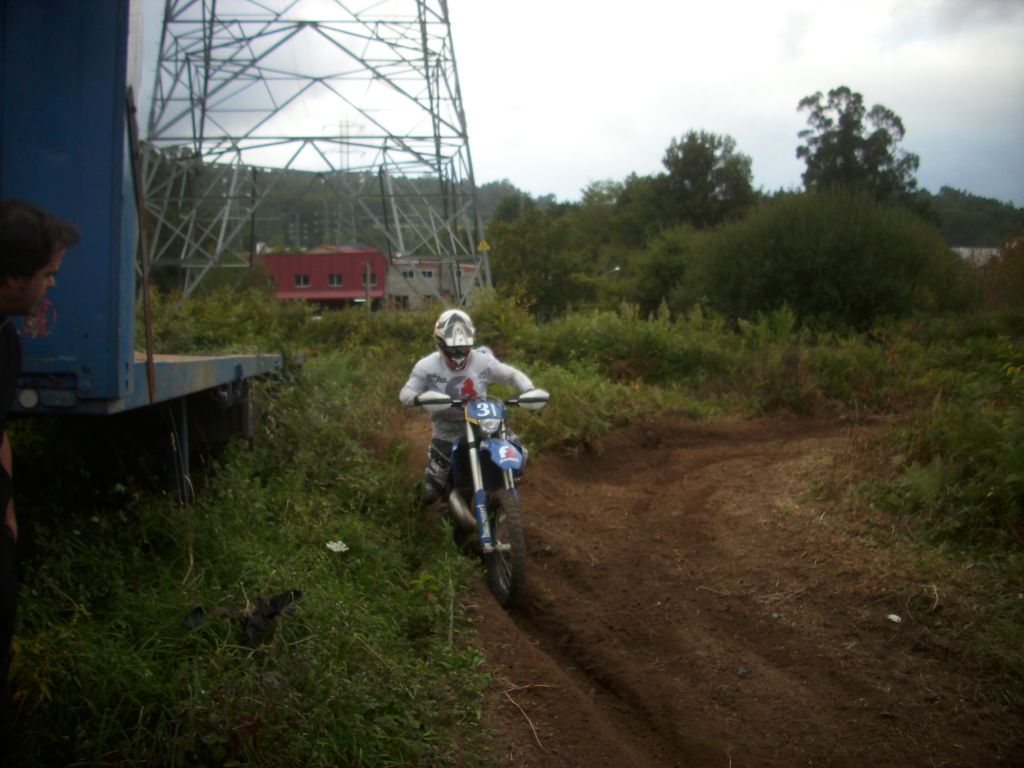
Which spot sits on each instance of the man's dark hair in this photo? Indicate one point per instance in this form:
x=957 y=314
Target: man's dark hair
x=29 y=236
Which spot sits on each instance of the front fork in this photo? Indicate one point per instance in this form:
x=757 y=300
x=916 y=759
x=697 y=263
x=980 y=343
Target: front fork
x=506 y=474
x=483 y=527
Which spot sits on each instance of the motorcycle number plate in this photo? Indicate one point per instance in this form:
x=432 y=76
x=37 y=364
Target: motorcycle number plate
x=485 y=409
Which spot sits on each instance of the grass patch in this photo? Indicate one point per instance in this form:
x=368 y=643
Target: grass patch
x=374 y=667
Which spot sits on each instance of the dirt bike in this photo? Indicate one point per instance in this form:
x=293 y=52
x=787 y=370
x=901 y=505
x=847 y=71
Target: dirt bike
x=481 y=495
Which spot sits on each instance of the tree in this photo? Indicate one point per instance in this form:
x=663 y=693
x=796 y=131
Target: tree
x=642 y=210
x=512 y=207
x=655 y=272
x=849 y=146
x=533 y=257
x=708 y=180
x=592 y=221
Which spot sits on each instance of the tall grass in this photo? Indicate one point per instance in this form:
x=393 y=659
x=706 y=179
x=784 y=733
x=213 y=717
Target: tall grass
x=371 y=668
x=959 y=458
x=625 y=348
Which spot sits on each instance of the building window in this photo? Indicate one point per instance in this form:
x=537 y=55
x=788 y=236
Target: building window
x=401 y=302
x=335 y=280
x=373 y=279
x=302 y=281
x=408 y=274
x=427 y=273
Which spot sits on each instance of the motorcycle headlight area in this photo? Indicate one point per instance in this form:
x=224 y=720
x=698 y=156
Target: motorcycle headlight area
x=489 y=426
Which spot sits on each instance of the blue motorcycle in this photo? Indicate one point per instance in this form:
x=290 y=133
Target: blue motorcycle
x=481 y=495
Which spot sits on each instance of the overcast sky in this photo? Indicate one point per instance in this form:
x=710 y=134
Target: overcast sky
x=561 y=93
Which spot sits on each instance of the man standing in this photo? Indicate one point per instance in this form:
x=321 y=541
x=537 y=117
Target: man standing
x=32 y=245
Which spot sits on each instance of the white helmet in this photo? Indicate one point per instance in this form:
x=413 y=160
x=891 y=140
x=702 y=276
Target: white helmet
x=453 y=334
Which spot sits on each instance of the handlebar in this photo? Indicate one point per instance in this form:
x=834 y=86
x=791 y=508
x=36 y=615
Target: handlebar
x=532 y=400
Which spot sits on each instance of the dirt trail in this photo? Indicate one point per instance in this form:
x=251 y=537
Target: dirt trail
x=687 y=605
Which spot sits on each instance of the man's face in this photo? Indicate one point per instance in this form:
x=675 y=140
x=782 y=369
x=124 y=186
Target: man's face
x=27 y=292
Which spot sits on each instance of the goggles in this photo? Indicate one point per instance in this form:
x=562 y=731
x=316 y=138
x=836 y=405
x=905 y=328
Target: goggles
x=456 y=354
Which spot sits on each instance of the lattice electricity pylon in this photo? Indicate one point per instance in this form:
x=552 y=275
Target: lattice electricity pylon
x=266 y=112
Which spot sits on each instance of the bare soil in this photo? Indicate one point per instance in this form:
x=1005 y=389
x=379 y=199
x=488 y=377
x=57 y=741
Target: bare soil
x=689 y=603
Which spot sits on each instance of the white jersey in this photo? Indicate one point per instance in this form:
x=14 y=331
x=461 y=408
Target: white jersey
x=432 y=374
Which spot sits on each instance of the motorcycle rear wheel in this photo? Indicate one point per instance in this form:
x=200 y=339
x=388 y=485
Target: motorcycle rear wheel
x=506 y=566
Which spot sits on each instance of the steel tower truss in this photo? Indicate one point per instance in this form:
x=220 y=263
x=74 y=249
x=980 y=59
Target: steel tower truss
x=359 y=97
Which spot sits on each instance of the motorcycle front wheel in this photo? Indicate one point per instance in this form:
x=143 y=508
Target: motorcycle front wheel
x=506 y=565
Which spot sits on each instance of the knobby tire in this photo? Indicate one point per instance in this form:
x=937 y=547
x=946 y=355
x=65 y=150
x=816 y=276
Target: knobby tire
x=506 y=568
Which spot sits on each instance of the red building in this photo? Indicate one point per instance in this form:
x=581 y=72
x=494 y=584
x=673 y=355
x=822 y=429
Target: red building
x=329 y=275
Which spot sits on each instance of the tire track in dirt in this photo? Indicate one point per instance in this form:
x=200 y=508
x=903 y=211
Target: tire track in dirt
x=687 y=607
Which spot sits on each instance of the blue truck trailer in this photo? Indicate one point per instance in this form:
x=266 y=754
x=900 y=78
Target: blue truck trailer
x=67 y=141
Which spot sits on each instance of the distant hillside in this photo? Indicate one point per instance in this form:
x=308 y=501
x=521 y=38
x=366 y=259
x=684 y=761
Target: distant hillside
x=965 y=220
x=972 y=221
x=490 y=195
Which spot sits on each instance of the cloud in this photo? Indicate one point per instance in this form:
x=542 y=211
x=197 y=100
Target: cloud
x=950 y=17
x=794 y=34
x=605 y=102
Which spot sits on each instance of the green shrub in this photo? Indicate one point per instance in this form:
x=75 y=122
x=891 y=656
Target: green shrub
x=626 y=348
x=963 y=471
x=353 y=329
x=852 y=371
x=838 y=260
x=961 y=456
x=224 y=320
x=500 y=321
x=655 y=271
x=1001 y=280
x=585 y=405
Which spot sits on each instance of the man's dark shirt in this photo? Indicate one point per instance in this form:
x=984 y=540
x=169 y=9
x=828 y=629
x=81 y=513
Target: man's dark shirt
x=10 y=367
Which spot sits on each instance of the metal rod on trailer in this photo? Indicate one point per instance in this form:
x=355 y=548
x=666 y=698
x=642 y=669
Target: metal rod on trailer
x=140 y=210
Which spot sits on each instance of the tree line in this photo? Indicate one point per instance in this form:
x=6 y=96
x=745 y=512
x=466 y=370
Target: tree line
x=859 y=242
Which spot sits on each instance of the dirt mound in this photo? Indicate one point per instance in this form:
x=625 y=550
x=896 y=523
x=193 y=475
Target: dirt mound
x=687 y=605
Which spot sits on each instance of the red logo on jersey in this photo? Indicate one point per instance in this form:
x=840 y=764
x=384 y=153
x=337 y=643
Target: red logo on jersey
x=468 y=390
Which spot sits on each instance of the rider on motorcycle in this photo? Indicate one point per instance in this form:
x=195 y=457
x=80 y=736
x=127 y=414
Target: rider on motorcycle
x=461 y=372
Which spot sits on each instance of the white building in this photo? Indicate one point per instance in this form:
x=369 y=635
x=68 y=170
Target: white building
x=412 y=284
